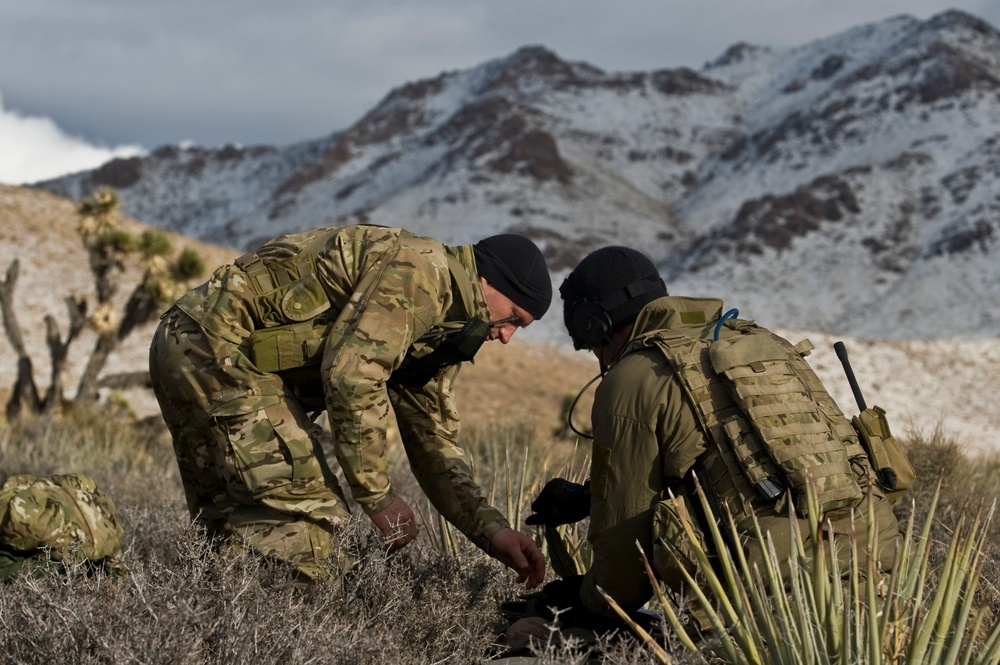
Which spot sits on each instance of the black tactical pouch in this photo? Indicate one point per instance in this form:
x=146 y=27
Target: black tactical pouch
x=457 y=347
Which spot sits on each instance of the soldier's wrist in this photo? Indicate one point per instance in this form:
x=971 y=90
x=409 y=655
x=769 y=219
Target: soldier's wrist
x=376 y=504
x=485 y=536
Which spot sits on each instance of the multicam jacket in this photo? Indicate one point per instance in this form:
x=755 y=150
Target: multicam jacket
x=334 y=312
x=648 y=436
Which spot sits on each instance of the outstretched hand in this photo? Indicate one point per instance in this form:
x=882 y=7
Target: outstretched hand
x=519 y=553
x=397 y=524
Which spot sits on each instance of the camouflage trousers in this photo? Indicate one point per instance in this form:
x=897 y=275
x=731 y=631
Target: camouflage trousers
x=248 y=454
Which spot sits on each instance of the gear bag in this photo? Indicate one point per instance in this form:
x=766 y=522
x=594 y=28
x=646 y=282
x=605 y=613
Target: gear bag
x=64 y=517
x=756 y=395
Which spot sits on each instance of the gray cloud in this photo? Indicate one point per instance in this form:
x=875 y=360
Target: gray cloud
x=254 y=71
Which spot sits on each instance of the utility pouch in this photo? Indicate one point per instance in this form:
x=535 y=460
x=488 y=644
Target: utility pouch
x=287 y=347
x=893 y=471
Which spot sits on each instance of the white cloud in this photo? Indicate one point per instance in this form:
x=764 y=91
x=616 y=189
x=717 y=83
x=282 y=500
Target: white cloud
x=34 y=148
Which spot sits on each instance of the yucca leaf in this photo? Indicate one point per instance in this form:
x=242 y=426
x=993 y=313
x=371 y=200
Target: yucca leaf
x=666 y=605
x=926 y=629
x=658 y=651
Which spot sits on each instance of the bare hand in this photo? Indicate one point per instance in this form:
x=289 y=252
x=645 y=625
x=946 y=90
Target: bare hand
x=519 y=553
x=397 y=524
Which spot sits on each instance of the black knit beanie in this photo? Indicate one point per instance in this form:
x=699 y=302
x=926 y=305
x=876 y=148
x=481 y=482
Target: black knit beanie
x=625 y=276
x=515 y=267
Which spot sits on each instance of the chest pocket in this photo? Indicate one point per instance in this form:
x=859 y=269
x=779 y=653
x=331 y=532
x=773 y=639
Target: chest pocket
x=305 y=300
x=301 y=300
x=292 y=315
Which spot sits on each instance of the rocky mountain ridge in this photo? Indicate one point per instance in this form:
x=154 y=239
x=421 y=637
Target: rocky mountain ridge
x=848 y=185
x=923 y=385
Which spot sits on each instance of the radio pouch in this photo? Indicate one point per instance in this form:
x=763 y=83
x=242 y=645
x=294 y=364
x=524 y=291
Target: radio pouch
x=893 y=471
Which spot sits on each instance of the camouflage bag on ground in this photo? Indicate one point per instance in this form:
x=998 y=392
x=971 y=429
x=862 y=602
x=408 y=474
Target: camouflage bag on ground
x=60 y=518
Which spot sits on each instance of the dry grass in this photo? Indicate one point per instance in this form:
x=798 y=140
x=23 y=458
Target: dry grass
x=433 y=602
x=184 y=602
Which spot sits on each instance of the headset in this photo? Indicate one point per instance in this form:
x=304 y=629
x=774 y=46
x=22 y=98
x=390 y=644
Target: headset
x=590 y=324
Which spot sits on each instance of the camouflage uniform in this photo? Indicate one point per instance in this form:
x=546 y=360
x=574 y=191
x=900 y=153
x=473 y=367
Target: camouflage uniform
x=313 y=320
x=60 y=519
x=647 y=438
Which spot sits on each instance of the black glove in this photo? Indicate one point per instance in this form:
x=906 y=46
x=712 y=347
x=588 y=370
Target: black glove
x=560 y=502
x=563 y=593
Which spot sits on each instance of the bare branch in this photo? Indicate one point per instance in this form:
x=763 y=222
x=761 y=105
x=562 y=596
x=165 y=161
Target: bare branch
x=126 y=380
x=11 y=326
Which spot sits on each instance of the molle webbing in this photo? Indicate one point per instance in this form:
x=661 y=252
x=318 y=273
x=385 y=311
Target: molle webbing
x=289 y=336
x=287 y=288
x=251 y=264
x=785 y=428
x=295 y=314
x=276 y=274
x=748 y=465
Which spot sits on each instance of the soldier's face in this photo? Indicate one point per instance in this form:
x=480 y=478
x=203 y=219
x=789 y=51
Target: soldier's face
x=501 y=307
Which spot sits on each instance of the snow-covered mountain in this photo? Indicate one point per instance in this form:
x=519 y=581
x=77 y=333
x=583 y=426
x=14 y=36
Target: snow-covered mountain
x=850 y=185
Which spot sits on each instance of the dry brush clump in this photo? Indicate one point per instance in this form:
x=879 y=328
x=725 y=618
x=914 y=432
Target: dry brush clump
x=186 y=600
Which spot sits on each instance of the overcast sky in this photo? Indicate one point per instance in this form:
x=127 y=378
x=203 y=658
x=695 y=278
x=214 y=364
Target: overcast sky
x=84 y=80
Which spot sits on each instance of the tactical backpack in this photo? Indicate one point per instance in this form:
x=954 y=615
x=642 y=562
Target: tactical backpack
x=65 y=518
x=757 y=398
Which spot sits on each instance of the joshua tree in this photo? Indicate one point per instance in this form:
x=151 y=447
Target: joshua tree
x=109 y=249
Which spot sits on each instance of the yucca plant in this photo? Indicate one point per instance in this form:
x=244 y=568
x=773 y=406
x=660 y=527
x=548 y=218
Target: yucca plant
x=826 y=616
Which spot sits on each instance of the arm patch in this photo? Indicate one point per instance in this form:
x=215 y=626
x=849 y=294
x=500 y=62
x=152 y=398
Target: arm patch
x=599 y=463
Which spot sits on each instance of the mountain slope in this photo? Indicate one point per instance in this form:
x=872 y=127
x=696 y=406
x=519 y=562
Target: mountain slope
x=846 y=185
x=866 y=181
x=923 y=385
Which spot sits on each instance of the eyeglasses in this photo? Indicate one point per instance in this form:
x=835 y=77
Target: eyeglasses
x=502 y=322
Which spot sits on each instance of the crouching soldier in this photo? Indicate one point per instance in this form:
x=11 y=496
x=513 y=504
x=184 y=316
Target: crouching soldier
x=690 y=394
x=363 y=322
x=57 y=521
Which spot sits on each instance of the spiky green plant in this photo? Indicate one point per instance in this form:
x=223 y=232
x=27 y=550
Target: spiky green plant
x=822 y=615
x=154 y=243
x=189 y=265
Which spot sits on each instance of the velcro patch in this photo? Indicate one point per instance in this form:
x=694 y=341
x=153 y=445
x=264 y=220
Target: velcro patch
x=599 y=463
x=693 y=317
